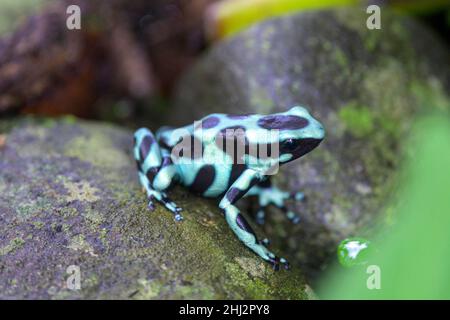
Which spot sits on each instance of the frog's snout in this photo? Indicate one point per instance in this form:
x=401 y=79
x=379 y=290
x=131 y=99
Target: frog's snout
x=315 y=130
x=319 y=131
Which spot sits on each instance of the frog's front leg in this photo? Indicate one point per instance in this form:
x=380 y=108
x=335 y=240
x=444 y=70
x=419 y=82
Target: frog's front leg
x=270 y=195
x=156 y=170
x=238 y=223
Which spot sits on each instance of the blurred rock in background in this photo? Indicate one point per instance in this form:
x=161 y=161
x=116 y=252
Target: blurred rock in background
x=128 y=56
x=125 y=49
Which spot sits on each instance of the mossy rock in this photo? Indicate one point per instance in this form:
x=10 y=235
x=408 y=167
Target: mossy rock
x=70 y=196
x=365 y=86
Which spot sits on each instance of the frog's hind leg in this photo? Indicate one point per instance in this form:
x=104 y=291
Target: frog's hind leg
x=239 y=224
x=270 y=195
x=156 y=170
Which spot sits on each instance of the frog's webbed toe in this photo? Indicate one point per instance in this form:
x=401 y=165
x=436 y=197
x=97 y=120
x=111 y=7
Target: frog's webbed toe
x=273 y=196
x=171 y=206
x=291 y=215
x=297 y=196
x=166 y=201
x=151 y=204
x=260 y=216
x=265 y=242
x=277 y=262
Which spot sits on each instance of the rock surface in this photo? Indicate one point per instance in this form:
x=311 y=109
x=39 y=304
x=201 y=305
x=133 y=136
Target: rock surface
x=70 y=196
x=365 y=86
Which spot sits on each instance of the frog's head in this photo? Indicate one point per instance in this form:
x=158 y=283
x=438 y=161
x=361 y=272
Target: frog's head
x=298 y=132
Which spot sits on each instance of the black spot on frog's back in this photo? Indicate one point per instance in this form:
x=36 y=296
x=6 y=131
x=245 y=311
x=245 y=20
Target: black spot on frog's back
x=189 y=147
x=283 y=122
x=232 y=132
x=209 y=122
x=233 y=141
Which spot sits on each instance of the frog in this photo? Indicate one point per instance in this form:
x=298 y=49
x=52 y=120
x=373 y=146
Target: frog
x=228 y=157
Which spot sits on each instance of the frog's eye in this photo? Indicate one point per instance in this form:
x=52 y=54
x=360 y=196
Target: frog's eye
x=288 y=145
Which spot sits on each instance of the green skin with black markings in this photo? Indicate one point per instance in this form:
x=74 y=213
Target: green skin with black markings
x=228 y=157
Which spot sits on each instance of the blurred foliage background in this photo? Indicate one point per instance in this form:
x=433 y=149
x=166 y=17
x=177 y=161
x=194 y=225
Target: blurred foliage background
x=159 y=39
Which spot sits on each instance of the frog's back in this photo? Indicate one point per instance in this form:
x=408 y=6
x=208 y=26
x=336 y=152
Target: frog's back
x=204 y=129
x=207 y=170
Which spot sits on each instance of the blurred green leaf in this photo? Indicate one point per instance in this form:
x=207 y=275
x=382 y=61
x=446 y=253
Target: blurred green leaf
x=233 y=16
x=228 y=17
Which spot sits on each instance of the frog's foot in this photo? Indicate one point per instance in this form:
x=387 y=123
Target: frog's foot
x=276 y=262
x=245 y=233
x=265 y=242
x=151 y=204
x=261 y=249
x=278 y=198
x=166 y=201
x=291 y=215
x=297 y=196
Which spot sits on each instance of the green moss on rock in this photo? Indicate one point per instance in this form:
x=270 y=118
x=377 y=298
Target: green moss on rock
x=12 y=246
x=357 y=120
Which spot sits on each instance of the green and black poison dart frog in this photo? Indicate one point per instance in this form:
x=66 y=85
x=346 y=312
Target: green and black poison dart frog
x=199 y=157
